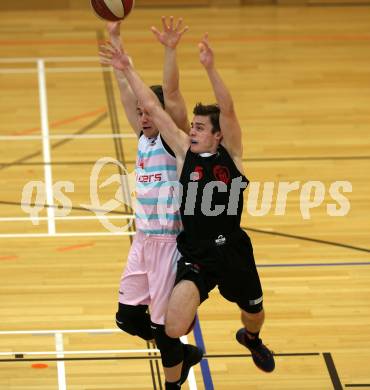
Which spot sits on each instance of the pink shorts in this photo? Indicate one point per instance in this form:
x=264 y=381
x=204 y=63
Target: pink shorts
x=150 y=273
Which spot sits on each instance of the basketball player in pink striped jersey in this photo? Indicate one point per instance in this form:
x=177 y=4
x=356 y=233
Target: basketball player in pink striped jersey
x=149 y=276
x=215 y=250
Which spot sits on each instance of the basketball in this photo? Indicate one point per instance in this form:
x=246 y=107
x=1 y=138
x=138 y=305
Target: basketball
x=112 y=10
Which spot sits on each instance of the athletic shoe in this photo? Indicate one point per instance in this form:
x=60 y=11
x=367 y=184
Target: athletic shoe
x=263 y=358
x=192 y=356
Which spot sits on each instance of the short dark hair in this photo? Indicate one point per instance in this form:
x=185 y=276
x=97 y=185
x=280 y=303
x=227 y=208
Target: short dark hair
x=211 y=110
x=158 y=90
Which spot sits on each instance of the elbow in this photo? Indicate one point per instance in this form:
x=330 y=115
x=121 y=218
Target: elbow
x=170 y=92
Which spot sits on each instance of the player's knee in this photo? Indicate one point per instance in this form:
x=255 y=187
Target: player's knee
x=175 y=329
x=182 y=308
x=255 y=316
x=177 y=324
x=172 y=352
x=126 y=318
x=132 y=320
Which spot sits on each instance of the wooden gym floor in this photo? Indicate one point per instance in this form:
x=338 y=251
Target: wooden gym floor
x=301 y=82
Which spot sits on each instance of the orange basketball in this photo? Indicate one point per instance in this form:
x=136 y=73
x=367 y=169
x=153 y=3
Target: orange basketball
x=112 y=10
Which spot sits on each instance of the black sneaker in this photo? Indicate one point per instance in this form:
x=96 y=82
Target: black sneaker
x=263 y=358
x=192 y=356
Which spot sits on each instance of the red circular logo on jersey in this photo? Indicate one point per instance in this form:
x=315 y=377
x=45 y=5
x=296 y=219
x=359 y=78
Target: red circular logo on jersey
x=197 y=174
x=222 y=173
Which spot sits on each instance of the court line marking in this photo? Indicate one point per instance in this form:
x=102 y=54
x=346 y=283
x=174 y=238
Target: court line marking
x=9 y=257
x=46 y=144
x=239 y=355
x=70 y=331
x=309 y=239
x=19 y=359
x=74 y=247
x=332 y=371
x=81 y=131
x=204 y=366
x=63 y=121
x=191 y=376
x=60 y=352
x=60 y=363
x=65 y=136
x=98 y=234
x=83 y=352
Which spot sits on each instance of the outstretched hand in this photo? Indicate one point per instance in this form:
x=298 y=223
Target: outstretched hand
x=114 y=56
x=206 y=56
x=170 y=36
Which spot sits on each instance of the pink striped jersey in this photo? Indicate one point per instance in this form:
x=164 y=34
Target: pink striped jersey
x=157 y=188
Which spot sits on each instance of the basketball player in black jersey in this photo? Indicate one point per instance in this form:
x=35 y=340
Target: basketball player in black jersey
x=215 y=250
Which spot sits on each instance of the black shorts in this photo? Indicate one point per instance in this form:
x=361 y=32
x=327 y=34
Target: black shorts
x=226 y=262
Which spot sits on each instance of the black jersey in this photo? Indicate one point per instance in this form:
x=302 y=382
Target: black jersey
x=216 y=207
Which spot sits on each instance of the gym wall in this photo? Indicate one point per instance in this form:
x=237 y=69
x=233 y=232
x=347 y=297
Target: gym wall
x=81 y=4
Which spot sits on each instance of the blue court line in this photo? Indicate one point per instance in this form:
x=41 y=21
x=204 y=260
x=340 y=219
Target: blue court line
x=206 y=372
x=311 y=264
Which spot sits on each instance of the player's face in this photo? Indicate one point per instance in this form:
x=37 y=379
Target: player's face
x=145 y=122
x=202 y=140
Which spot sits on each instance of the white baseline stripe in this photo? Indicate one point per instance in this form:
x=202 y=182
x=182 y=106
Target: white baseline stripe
x=83 y=352
x=65 y=136
x=61 y=353
x=191 y=377
x=60 y=364
x=85 y=234
x=69 y=331
x=46 y=145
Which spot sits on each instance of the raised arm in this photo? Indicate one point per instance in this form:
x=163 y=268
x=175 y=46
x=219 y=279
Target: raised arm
x=232 y=134
x=174 y=137
x=174 y=101
x=128 y=98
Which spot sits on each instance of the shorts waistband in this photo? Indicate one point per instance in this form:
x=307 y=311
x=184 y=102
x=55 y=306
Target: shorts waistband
x=157 y=237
